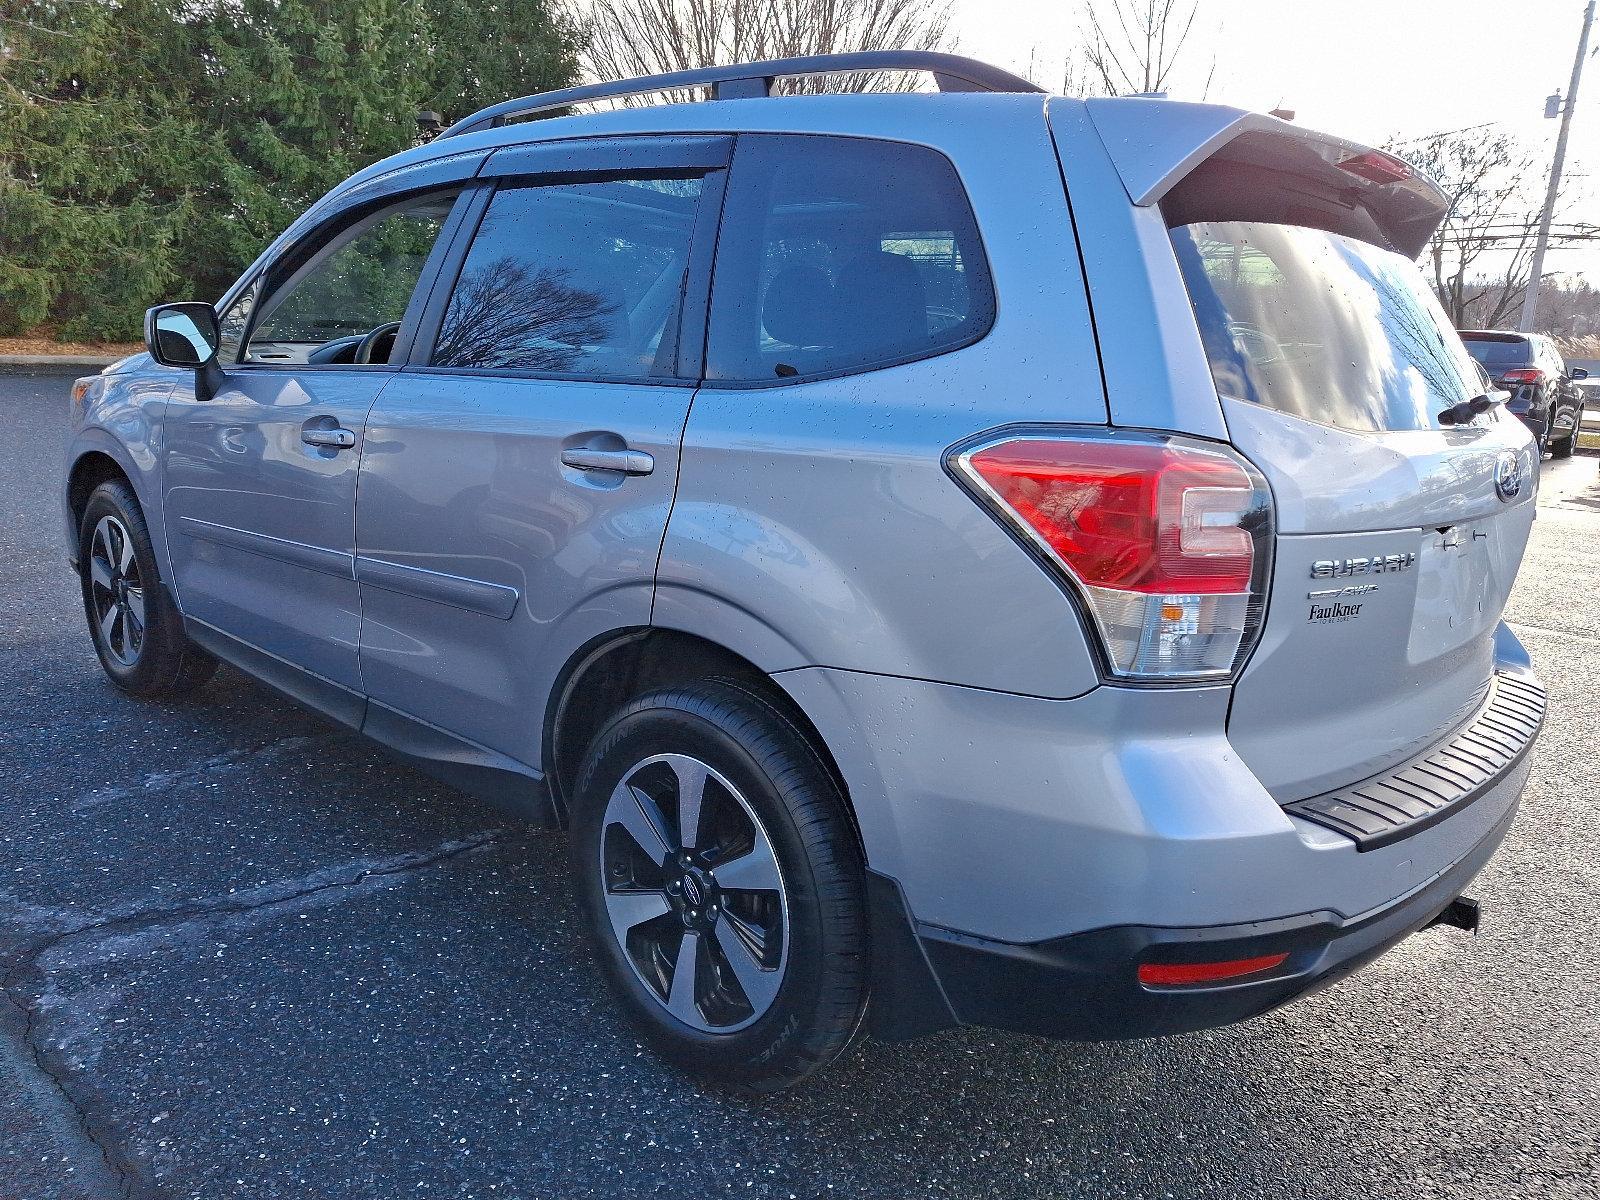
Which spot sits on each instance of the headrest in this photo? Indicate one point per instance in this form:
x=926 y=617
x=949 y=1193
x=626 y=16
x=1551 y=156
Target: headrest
x=798 y=308
x=882 y=303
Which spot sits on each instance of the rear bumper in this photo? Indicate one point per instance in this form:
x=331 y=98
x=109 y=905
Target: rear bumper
x=1028 y=855
x=1023 y=887
x=1085 y=987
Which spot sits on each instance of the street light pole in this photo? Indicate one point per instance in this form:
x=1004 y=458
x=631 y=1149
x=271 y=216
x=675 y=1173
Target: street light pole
x=1530 y=302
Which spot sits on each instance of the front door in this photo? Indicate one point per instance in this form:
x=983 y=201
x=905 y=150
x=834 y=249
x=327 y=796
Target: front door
x=260 y=477
x=516 y=477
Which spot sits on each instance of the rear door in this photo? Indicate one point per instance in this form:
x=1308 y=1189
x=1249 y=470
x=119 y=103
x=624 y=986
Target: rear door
x=1568 y=397
x=516 y=477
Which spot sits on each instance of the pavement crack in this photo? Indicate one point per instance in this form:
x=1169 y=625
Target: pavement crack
x=30 y=1010
x=120 y=1171
x=286 y=895
x=159 y=782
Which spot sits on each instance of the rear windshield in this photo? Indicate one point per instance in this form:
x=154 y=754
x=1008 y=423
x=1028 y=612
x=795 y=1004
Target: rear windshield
x=1497 y=353
x=1322 y=326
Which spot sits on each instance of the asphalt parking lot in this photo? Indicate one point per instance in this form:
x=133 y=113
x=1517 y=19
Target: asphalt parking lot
x=244 y=954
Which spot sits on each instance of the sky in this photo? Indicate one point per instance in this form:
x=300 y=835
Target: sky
x=1362 y=69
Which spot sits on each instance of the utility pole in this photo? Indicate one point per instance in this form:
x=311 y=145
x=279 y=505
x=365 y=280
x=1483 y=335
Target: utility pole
x=1530 y=302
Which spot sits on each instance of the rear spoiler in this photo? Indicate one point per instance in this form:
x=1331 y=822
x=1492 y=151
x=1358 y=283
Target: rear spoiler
x=1155 y=143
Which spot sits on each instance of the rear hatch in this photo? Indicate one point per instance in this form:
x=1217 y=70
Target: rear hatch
x=1401 y=515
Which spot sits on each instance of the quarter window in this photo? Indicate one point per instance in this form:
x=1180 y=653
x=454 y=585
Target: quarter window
x=581 y=279
x=233 y=323
x=842 y=254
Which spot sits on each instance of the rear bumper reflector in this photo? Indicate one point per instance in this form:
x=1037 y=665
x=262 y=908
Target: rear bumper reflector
x=1184 y=974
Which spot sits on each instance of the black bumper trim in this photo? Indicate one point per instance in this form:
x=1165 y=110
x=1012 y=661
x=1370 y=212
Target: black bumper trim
x=1084 y=987
x=1444 y=778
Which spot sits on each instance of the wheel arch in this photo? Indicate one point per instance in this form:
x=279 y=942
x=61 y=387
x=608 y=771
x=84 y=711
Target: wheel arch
x=617 y=666
x=92 y=466
x=89 y=471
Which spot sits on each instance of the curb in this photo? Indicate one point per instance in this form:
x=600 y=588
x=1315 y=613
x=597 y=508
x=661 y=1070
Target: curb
x=51 y=364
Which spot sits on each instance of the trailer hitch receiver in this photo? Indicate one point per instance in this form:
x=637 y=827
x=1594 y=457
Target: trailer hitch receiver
x=1460 y=913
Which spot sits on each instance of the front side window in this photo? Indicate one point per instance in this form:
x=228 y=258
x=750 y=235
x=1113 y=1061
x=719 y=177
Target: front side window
x=358 y=284
x=1322 y=326
x=581 y=279
x=842 y=254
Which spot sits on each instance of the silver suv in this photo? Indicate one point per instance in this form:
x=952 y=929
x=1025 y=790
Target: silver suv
x=1029 y=562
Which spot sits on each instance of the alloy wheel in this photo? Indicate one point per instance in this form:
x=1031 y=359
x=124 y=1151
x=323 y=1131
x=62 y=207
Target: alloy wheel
x=116 y=592
x=694 y=893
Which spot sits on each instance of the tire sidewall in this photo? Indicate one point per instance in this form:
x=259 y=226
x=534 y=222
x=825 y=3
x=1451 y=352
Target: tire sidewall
x=662 y=725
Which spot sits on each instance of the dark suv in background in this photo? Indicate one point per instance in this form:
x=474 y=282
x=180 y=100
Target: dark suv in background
x=1543 y=393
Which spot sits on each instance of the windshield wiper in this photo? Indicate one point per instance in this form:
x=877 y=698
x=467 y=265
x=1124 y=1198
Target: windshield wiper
x=1460 y=414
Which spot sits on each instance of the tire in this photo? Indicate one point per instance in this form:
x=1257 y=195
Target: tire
x=779 y=936
x=137 y=631
x=1564 y=447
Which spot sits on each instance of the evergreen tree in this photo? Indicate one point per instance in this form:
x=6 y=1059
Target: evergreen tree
x=150 y=148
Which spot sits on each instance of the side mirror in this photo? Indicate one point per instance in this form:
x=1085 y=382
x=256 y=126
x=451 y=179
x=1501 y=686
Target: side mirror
x=1580 y=373
x=182 y=335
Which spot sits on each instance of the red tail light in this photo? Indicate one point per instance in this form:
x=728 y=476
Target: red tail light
x=1182 y=974
x=1165 y=539
x=1527 y=376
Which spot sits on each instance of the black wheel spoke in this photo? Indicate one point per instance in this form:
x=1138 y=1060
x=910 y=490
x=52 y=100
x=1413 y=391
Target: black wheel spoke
x=628 y=910
x=638 y=814
x=692 y=776
x=682 y=1000
x=759 y=984
x=108 y=622
x=755 y=871
x=100 y=573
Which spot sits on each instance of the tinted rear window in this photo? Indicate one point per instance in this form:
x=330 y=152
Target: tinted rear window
x=1496 y=353
x=842 y=254
x=1322 y=326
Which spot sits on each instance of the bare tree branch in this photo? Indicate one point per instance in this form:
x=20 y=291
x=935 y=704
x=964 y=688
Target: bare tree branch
x=1135 y=45
x=630 y=38
x=1485 y=174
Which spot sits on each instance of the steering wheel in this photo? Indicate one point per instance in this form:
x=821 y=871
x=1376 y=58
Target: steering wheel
x=366 y=346
x=1264 y=349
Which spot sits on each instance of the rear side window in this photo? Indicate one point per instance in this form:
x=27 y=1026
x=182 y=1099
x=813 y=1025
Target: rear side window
x=580 y=279
x=842 y=254
x=1321 y=325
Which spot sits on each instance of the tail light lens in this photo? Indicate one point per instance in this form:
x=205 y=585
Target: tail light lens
x=1377 y=166
x=1166 y=540
x=1531 y=376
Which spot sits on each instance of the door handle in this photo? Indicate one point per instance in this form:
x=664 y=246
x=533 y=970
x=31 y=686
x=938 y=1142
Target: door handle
x=628 y=462
x=328 y=439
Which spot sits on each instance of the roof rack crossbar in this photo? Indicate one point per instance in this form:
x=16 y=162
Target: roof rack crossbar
x=951 y=72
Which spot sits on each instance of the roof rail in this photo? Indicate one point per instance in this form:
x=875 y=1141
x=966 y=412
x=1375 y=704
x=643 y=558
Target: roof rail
x=952 y=72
